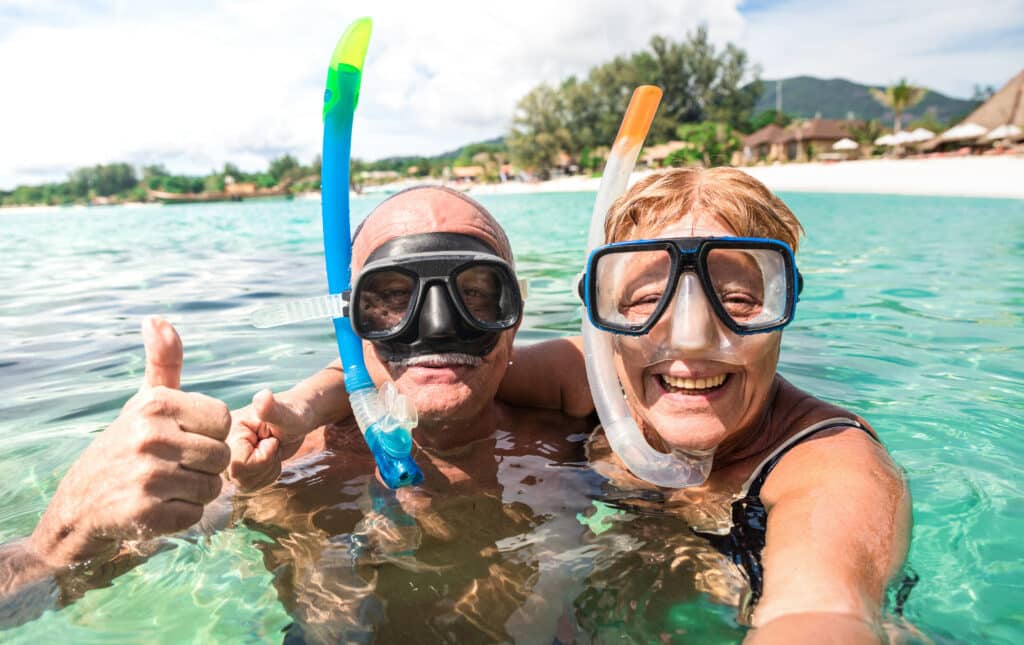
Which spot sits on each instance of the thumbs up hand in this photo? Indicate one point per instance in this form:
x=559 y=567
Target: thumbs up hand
x=263 y=435
x=149 y=473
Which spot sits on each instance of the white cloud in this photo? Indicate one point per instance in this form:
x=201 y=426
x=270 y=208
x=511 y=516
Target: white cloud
x=196 y=84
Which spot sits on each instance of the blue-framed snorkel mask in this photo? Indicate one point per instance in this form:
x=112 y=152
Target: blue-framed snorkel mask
x=751 y=284
x=678 y=298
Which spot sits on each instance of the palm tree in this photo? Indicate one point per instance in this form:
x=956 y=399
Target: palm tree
x=899 y=98
x=865 y=134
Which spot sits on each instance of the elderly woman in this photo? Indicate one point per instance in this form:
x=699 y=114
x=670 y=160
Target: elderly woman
x=696 y=282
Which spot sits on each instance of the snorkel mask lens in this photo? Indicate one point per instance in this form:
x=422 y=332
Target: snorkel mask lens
x=387 y=299
x=382 y=303
x=750 y=283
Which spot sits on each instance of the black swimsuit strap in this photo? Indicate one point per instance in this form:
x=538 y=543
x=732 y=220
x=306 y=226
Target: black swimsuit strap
x=746 y=539
x=766 y=468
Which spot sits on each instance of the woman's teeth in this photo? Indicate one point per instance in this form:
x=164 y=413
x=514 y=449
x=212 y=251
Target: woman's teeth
x=692 y=385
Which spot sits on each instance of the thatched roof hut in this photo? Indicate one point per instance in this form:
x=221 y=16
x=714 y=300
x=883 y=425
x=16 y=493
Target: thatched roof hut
x=1005 y=107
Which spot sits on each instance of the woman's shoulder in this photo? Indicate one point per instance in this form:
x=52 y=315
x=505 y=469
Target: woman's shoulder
x=829 y=446
x=796 y=412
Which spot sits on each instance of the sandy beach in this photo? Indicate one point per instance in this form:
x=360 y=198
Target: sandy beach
x=999 y=177
x=956 y=176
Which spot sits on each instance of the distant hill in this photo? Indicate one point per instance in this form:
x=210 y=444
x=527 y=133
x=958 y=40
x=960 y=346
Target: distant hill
x=835 y=98
x=454 y=154
x=450 y=155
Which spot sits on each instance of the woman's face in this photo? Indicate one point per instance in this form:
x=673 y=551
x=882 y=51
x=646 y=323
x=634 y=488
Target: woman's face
x=691 y=380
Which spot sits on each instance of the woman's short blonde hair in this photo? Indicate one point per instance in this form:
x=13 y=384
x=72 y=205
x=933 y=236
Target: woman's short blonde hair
x=738 y=200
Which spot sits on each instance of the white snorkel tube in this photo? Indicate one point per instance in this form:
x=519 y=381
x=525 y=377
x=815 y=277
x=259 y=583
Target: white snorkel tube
x=677 y=469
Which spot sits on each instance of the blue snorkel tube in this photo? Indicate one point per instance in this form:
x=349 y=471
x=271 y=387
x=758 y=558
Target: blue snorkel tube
x=385 y=418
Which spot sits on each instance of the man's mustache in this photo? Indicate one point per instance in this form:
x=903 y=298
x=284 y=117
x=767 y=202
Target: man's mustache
x=451 y=359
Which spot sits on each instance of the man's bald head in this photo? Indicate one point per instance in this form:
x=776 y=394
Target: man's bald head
x=427 y=209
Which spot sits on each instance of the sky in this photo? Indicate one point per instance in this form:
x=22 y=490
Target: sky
x=193 y=84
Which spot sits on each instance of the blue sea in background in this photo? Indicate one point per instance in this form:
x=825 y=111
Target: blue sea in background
x=912 y=315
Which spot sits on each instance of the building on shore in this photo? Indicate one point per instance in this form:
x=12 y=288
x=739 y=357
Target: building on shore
x=760 y=145
x=803 y=140
x=463 y=174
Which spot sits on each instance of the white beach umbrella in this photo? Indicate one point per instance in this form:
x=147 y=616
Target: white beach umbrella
x=845 y=144
x=922 y=134
x=1004 y=132
x=898 y=139
x=963 y=132
x=902 y=137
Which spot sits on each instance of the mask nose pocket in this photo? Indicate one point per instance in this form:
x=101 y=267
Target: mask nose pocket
x=437 y=320
x=694 y=325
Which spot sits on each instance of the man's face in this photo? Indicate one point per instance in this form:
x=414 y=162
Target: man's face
x=450 y=385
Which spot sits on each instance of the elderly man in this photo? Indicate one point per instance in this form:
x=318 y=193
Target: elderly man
x=442 y=331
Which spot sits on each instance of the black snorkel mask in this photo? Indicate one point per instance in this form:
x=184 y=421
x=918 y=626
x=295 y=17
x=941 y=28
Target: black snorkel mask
x=434 y=293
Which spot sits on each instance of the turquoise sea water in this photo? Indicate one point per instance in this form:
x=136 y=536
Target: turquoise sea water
x=912 y=315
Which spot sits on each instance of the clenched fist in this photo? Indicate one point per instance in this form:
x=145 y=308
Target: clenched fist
x=263 y=435
x=149 y=473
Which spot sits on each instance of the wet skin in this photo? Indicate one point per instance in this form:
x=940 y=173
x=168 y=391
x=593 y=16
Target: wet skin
x=427 y=562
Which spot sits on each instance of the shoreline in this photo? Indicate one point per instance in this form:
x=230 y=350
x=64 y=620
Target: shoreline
x=982 y=177
x=988 y=177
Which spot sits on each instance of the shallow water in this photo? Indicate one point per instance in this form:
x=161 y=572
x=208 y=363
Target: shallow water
x=911 y=315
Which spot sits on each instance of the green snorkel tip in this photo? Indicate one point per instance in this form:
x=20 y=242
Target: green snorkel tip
x=352 y=46
x=347 y=59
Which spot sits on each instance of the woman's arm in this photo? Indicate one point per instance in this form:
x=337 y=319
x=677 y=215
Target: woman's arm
x=552 y=375
x=838 y=531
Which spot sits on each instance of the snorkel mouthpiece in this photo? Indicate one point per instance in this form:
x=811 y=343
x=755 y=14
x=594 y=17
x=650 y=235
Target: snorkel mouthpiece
x=386 y=418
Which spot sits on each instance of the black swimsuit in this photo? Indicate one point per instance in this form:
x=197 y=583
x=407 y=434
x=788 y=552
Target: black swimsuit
x=745 y=540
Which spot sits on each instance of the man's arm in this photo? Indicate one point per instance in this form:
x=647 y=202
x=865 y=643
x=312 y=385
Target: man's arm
x=552 y=375
x=270 y=430
x=838 y=531
x=149 y=473
x=27 y=584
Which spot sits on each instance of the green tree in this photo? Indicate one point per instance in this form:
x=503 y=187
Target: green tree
x=283 y=167
x=865 y=134
x=765 y=117
x=539 y=131
x=702 y=83
x=612 y=86
x=899 y=98
x=104 y=180
x=982 y=93
x=710 y=143
x=928 y=121
x=233 y=171
x=214 y=182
